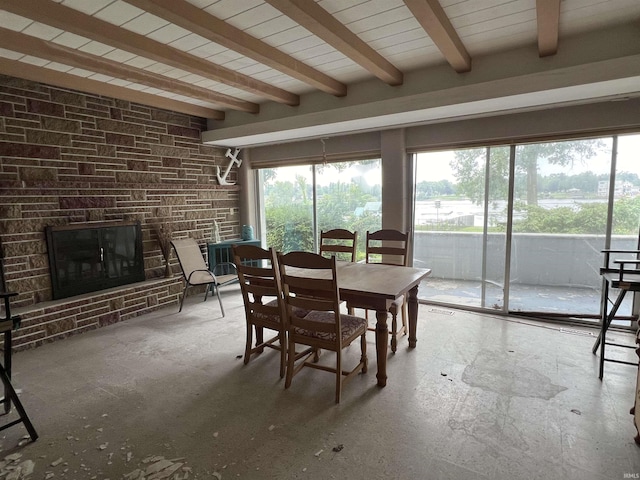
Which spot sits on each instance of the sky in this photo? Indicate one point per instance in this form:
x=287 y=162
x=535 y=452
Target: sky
x=434 y=166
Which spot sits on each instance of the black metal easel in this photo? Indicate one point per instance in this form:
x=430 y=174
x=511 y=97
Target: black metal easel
x=624 y=278
x=6 y=326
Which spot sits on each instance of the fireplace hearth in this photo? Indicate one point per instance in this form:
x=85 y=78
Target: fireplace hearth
x=90 y=257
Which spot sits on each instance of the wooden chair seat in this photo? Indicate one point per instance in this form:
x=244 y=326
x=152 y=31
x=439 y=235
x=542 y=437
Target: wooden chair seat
x=309 y=282
x=350 y=326
x=300 y=312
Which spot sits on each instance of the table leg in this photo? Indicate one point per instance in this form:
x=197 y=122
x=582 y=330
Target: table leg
x=382 y=338
x=412 y=310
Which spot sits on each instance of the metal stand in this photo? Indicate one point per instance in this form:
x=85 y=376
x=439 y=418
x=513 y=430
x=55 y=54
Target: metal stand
x=625 y=283
x=10 y=395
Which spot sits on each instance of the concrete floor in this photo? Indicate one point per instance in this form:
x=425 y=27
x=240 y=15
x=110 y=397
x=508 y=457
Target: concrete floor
x=481 y=397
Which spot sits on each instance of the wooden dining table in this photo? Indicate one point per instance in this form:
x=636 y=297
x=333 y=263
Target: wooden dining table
x=374 y=287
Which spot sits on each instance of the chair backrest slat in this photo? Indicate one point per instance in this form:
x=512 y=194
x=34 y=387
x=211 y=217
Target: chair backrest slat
x=259 y=279
x=339 y=241
x=387 y=246
x=303 y=274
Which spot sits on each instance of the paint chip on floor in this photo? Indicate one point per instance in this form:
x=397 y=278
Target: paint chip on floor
x=440 y=311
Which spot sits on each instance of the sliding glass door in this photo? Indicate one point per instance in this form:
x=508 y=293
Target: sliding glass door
x=521 y=228
x=560 y=227
x=460 y=212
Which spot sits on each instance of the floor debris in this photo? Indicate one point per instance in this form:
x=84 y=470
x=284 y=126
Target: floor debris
x=11 y=468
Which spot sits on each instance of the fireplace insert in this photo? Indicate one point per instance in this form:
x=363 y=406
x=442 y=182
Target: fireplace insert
x=90 y=257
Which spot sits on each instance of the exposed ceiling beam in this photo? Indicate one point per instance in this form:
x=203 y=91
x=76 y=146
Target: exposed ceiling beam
x=29 y=45
x=200 y=22
x=437 y=25
x=548 y=15
x=26 y=71
x=318 y=21
x=68 y=19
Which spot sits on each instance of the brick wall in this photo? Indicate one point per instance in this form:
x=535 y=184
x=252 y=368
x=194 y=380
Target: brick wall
x=69 y=157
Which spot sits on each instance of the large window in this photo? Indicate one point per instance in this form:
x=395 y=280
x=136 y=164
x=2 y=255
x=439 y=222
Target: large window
x=521 y=228
x=301 y=201
x=460 y=208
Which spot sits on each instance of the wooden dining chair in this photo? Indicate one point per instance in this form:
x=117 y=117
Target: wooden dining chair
x=196 y=272
x=339 y=242
x=390 y=247
x=263 y=304
x=309 y=282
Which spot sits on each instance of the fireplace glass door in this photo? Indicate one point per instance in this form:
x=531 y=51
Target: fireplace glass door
x=88 y=258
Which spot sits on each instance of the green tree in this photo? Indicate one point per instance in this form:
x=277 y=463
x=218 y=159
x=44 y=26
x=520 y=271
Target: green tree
x=469 y=167
x=289 y=209
x=426 y=190
x=585 y=218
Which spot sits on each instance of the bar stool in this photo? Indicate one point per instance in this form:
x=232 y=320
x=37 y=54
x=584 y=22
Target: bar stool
x=625 y=280
x=6 y=326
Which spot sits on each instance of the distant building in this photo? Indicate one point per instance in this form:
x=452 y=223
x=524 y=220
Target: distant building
x=369 y=208
x=622 y=189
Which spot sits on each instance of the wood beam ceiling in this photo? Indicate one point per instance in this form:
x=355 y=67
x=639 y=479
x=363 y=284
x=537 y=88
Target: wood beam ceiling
x=29 y=45
x=548 y=17
x=194 y=19
x=68 y=19
x=318 y=21
x=435 y=22
x=19 y=69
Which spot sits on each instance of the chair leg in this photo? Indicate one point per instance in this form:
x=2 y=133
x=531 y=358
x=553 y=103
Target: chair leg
x=363 y=352
x=247 y=348
x=283 y=352
x=217 y=290
x=259 y=337
x=291 y=358
x=338 y=376
x=184 y=294
x=394 y=330
x=405 y=315
x=13 y=396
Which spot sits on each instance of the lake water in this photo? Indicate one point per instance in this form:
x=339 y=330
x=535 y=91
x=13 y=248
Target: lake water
x=465 y=212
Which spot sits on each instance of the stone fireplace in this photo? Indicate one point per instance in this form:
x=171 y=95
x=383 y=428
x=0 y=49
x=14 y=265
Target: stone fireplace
x=68 y=158
x=90 y=257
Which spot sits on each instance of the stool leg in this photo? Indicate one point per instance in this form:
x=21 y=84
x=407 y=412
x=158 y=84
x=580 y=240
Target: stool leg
x=606 y=322
x=7 y=366
x=12 y=395
x=604 y=301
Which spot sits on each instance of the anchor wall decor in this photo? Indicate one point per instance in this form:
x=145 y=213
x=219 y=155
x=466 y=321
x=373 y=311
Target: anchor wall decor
x=222 y=180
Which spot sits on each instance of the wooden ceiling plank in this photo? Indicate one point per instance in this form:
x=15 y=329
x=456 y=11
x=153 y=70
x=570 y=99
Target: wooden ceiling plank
x=212 y=28
x=324 y=25
x=18 y=69
x=548 y=16
x=435 y=22
x=71 y=20
x=29 y=45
